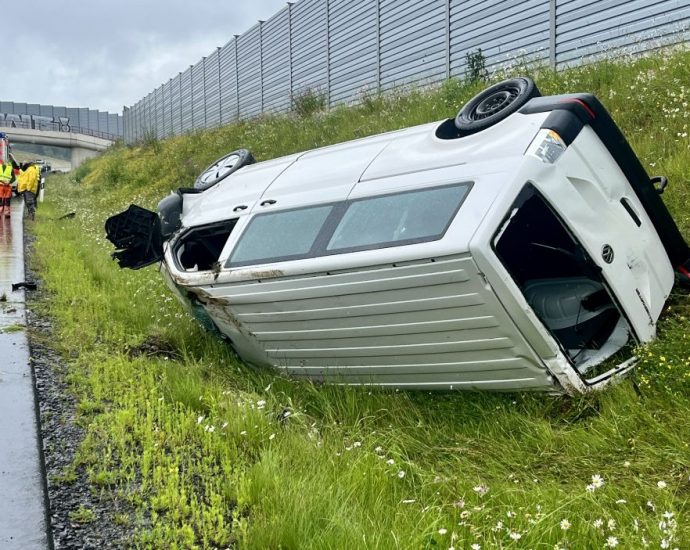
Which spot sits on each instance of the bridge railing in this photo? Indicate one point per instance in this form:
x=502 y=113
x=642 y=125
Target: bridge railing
x=57 y=127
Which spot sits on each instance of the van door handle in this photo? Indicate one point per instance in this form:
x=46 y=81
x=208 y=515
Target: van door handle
x=240 y=207
x=268 y=202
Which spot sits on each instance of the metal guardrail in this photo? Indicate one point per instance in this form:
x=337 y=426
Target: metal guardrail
x=58 y=127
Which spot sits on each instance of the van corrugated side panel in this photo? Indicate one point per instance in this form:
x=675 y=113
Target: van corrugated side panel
x=508 y=32
x=249 y=72
x=228 y=83
x=309 y=48
x=276 y=62
x=212 y=95
x=198 y=101
x=186 y=99
x=413 y=42
x=588 y=27
x=353 y=49
x=419 y=324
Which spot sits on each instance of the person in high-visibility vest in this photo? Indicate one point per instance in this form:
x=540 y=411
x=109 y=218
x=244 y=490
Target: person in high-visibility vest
x=27 y=186
x=6 y=177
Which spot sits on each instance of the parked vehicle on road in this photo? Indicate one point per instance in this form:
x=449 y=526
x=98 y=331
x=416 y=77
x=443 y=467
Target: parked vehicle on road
x=518 y=246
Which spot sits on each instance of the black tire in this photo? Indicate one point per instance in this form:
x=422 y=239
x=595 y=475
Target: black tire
x=222 y=168
x=495 y=104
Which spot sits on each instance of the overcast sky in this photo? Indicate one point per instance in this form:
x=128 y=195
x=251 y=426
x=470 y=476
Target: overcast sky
x=104 y=54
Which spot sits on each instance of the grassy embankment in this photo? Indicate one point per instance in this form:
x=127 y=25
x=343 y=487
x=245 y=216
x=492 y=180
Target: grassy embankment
x=195 y=449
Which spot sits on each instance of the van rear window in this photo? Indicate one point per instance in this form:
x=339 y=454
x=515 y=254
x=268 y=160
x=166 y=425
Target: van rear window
x=383 y=221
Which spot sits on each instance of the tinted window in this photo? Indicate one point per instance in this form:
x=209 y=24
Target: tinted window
x=374 y=222
x=280 y=236
x=398 y=219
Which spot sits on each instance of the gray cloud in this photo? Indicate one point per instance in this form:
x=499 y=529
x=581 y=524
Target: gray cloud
x=105 y=54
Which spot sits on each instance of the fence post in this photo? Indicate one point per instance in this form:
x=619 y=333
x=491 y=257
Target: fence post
x=328 y=53
x=448 y=39
x=261 y=62
x=378 y=47
x=237 y=80
x=289 y=4
x=220 y=91
x=552 y=34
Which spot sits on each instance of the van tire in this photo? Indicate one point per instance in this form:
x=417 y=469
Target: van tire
x=495 y=103
x=222 y=168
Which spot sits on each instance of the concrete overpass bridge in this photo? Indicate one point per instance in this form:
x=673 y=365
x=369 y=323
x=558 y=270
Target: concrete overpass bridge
x=83 y=143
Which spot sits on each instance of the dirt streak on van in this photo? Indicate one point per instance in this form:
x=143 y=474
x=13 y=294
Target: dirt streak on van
x=519 y=246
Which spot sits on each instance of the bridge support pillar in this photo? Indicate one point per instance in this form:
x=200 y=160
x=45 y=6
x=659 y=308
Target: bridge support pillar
x=80 y=155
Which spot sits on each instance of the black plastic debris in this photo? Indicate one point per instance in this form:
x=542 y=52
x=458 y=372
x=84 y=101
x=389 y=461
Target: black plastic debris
x=136 y=232
x=28 y=285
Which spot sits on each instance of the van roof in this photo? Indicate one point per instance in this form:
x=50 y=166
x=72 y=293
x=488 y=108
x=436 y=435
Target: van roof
x=331 y=173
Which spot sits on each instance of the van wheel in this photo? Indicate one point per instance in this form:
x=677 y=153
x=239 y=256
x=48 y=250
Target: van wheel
x=495 y=103
x=222 y=168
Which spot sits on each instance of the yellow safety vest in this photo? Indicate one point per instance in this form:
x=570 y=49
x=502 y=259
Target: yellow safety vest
x=5 y=173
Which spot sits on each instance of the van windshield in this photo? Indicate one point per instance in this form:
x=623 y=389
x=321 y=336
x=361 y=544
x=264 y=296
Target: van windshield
x=396 y=219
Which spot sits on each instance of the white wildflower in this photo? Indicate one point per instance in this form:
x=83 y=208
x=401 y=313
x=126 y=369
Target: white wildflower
x=199 y=419
x=661 y=484
x=272 y=436
x=515 y=535
x=481 y=490
x=565 y=524
x=401 y=474
x=611 y=542
x=442 y=531
x=597 y=481
x=390 y=461
x=598 y=523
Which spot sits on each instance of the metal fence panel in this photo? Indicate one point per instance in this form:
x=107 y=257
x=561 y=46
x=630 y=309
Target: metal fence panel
x=249 y=72
x=164 y=127
x=310 y=71
x=102 y=121
x=212 y=87
x=520 y=34
x=586 y=27
x=341 y=48
x=353 y=50
x=275 y=62
x=413 y=42
x=198 y=100
x=229 y=107
x=186 y=99
x=175 y=105
x=45 y=110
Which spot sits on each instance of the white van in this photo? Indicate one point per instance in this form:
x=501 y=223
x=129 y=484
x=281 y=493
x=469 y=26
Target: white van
x=519 y=246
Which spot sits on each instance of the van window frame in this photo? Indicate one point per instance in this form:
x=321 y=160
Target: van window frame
x=330 y=224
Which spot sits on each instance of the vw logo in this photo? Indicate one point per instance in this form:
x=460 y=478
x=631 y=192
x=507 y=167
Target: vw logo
x=607 y=253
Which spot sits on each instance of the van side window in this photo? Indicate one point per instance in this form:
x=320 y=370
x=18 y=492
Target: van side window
x=279 y=236
x=361 y=224
x=402 y=218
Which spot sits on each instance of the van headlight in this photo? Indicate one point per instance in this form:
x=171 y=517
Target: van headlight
x=547 y=146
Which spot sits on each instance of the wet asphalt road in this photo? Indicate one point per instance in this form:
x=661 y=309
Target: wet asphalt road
x=23 y=523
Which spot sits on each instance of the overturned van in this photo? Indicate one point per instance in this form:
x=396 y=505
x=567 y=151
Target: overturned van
x=519 y=246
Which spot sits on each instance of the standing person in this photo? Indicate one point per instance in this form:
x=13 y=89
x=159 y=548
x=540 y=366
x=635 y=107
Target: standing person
x=6 y=177
x=28 y=186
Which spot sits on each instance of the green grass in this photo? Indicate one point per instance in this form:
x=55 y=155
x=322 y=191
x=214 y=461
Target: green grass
x=200 y=446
